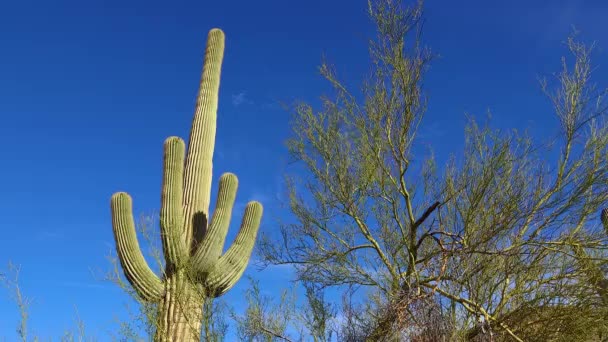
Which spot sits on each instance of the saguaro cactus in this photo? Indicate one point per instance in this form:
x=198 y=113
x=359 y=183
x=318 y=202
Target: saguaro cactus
x=195 y=267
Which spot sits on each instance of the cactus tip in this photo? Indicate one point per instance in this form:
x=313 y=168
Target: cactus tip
x=121 y=195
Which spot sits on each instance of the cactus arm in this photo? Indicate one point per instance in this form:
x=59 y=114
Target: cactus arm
x=197 y=175
x=232 y=264
x=210 y=248
x=135 y=267
x=171 y=211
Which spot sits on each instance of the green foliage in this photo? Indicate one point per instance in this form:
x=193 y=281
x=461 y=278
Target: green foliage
x=23 y=303
x=10 y=279
x=501 y=244
x=487 y=243
x=215 y=325
x=263 y=320
x=268 y=318
x=317 y=315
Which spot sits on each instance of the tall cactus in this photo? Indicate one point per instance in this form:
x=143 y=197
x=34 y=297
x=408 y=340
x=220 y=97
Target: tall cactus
x=195 y=267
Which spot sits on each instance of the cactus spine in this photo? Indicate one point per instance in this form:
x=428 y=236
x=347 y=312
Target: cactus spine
x=195 y=267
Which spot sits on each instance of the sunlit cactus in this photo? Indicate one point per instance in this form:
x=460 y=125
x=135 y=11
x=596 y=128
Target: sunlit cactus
x=195 y=267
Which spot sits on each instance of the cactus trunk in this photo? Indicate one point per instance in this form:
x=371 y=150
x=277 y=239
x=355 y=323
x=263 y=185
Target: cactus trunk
x=179 y=311
x=192 y=242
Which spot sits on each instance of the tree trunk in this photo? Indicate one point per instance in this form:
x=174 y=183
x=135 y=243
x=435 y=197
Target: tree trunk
x=180 y=311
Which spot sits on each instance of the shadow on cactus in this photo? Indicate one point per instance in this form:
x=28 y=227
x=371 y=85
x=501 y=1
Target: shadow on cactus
x=195 y=267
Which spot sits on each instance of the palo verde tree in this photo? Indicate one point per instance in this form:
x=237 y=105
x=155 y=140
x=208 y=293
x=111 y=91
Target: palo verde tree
x=280 y=318
x=195 y=267
x=487 y=241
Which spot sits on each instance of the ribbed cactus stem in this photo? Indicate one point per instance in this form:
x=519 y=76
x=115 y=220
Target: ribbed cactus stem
x=212 y=245
x=195 y=267
x=198 y=172
x=135 y=267
x=232 y=264
x=171 y=211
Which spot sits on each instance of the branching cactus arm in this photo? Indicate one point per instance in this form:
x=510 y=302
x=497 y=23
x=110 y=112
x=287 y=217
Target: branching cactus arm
x=232 y=264
x=210 y=249
x=171 y=211
x=136 y=269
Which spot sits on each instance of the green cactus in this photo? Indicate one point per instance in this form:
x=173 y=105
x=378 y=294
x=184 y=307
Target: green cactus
x=195 y=267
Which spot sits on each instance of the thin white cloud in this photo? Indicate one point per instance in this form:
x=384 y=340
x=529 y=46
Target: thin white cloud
x=240 y=98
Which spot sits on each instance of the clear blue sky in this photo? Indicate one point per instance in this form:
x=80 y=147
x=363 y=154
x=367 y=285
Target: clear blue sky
x=89 y=90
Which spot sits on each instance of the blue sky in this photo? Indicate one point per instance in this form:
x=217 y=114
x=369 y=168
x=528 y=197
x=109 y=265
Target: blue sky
x=89 y=90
